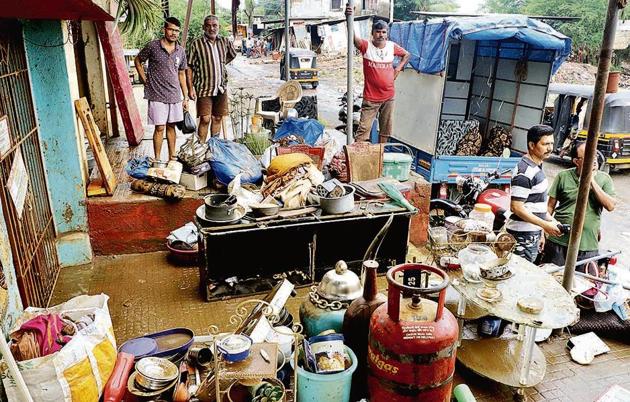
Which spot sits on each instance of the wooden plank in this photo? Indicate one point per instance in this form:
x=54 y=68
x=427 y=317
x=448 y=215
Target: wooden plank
x=94 y=139
x=96 y=188
x=123 y=92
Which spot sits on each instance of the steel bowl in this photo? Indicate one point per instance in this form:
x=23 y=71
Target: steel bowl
x=155 y=372
x=340 y=284
x=495 y=268
x=260 y=210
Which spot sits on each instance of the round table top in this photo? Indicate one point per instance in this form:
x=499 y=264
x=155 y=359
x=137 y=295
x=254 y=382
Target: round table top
x=528 y=280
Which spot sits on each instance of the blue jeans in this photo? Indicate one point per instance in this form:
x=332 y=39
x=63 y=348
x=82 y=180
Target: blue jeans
x=526 y=244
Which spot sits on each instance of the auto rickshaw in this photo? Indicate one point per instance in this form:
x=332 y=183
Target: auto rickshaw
x=302 y=67
x=570 y=115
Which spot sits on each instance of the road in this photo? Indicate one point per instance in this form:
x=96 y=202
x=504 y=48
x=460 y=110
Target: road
x=261 y=77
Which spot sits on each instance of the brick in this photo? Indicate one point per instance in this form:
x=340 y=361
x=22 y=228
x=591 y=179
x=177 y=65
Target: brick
x=420 y=197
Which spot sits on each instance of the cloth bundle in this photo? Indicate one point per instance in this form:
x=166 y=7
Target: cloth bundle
x=498 y=139
x=470 y=143
x=450 y=132
x=339 y=167
x=290 y=178
x=40 y=336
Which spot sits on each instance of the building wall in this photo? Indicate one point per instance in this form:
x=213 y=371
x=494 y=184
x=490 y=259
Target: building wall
x=316 y=8
x=54 y=86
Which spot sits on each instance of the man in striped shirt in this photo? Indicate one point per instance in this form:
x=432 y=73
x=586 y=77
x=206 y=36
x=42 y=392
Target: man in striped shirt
x=207 y=76
x=529 y=196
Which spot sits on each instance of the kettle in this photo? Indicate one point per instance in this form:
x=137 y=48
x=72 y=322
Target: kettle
x=327 y=303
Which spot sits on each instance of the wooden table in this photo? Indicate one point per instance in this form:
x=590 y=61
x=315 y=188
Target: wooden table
x=516 y=363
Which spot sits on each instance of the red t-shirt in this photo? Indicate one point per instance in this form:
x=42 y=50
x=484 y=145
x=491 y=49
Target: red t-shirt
x=378 y=70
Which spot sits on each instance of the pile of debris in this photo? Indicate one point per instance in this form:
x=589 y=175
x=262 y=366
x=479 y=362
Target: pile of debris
x=575 y=73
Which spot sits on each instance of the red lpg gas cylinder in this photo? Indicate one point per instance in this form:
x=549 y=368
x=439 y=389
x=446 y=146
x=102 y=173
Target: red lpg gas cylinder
x=411 y=346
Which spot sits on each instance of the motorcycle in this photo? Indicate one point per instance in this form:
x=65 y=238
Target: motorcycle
x=356 y=112
x=472 y=190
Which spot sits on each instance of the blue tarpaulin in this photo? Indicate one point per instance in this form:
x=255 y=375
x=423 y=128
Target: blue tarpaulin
x=428 y=41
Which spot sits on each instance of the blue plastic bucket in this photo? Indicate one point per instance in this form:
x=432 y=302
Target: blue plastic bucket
x=313 y=387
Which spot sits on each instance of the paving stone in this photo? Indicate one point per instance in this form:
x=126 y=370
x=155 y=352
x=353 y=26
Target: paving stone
x=148 y=294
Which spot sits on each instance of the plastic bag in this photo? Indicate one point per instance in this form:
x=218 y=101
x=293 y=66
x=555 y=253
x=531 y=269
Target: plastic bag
x=309 y=129
x=138 y=167
x=80 y=370
x=188 y=125
x=229 y=158
x=244 y=197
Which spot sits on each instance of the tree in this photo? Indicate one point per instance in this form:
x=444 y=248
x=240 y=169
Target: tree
x=249 y=11
x=586 y=33
x=201 y=8
x=272 y=8
x=503 y=6
x=403 y=8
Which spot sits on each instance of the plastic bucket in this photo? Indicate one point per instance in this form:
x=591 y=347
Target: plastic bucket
x=313 y=387
x=396 y=164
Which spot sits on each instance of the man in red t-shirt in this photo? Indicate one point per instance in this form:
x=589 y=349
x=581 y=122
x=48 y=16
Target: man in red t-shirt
x=379 y=75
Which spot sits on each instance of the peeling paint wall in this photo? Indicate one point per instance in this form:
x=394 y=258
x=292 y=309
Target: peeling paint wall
x=54 y=85
x=95 y=68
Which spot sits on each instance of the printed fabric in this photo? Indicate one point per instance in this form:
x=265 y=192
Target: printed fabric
x=451 y=132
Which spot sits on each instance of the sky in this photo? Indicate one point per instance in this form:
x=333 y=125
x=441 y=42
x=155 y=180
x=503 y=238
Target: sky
x=468 y=6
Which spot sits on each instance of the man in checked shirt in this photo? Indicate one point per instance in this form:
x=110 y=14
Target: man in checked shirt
x=207 y=76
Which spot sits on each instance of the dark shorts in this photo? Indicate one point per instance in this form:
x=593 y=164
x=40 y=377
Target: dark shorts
x=526 y=244
x=555 y=253
x=213 y=105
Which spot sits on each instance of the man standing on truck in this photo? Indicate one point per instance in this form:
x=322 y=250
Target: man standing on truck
x=562 y=200
x=529 y=196
x=164 y=85
x=378 y=87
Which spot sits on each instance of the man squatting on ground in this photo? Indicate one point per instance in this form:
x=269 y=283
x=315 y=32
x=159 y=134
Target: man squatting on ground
x=378 y=87
x=164 y=85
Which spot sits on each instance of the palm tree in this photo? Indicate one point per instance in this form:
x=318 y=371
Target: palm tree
x=137 y=16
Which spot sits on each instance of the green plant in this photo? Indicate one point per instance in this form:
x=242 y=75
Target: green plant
x=615 y=69
x=137 y=16
x=256 y=143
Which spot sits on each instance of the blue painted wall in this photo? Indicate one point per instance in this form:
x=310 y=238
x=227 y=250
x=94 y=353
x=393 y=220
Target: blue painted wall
x=54 y=106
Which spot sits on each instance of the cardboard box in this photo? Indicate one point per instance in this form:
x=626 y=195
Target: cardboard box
x=192 y=182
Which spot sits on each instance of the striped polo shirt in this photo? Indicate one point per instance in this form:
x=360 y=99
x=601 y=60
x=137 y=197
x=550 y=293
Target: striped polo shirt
x=529 y=185
x=207 y=59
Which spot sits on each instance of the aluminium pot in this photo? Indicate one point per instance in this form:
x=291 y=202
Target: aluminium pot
x=219 y=207
x=338 y=205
